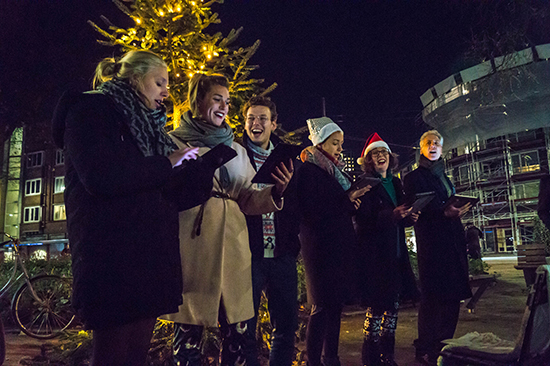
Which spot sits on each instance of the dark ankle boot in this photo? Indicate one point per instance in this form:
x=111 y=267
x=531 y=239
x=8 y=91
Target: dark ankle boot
x=371 y=352
x=387 y=350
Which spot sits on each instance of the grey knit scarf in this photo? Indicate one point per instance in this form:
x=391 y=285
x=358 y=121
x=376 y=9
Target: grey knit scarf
x=146 y=125
x=198 y=133
x=438 y=169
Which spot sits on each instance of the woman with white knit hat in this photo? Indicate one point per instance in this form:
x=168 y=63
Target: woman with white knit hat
x=385 y=272
x=327 y=236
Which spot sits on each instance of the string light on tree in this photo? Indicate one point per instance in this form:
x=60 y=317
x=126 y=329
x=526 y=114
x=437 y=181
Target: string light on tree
x=179 y=37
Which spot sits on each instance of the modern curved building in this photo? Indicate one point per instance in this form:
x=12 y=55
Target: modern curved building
x=495 y=119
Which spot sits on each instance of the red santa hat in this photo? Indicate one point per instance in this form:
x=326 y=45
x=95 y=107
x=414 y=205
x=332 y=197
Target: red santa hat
x=373 y=141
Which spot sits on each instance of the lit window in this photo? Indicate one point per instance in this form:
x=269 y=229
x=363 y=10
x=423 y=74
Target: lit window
x=33 y=187
x=526 y=162
x=59 y=157
x=59 y=213
x=35 y=159
x=32 y=214
x=59 y=185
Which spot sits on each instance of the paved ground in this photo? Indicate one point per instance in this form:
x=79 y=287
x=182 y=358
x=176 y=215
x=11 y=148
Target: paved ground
x=499 y=311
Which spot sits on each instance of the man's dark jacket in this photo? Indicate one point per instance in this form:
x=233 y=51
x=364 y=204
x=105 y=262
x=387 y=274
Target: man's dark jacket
x=287 y=225
x=441 y=245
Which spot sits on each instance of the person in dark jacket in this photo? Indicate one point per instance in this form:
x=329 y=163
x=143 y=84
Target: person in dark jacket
x=543 y=208
x=273 y=242
x=123 y=229
x=473 y=234
x=386 y=276
x=326 y=205
x=441 y=248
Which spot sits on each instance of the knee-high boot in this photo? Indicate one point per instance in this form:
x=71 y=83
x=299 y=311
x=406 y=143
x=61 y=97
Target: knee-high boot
x=387 y=349
x=371 y=352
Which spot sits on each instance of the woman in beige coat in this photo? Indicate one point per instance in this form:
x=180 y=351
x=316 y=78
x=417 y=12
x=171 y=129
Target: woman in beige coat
x=217 y=284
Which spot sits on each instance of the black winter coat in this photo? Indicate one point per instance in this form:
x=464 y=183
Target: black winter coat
x=383 y=276
x=327 y=236
x=440 y=241
x=123 y=229
x=287 y=226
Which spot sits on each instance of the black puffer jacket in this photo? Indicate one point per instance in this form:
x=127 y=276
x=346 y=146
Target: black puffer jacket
x=123 y=229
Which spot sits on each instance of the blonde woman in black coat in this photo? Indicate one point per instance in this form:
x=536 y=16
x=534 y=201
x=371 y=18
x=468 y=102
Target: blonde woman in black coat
x=386 y=277
x=123 y=228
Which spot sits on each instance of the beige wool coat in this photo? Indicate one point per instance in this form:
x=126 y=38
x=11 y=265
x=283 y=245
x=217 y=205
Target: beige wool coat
x=216 y=265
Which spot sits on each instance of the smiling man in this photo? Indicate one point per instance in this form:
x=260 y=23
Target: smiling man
x=273 y=242
x=441 y=248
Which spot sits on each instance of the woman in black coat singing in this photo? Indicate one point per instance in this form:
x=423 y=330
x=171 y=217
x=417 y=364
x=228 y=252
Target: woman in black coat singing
x=386 y=276
x=326 y=205
x=123 y=229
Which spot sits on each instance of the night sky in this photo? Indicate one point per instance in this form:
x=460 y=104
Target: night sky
x=370 y=60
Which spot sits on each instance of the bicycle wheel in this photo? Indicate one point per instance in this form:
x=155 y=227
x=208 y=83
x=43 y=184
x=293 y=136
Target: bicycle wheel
x=51 y=315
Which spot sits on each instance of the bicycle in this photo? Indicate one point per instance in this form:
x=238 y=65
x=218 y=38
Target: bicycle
x=41 y=307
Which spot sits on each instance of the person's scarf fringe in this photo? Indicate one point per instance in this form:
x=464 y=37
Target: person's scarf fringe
x=319 y=157
x=146 y=125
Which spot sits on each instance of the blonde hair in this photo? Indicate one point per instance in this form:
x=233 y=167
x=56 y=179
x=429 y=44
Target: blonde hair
x=431 y=132
x=199 y=86
x=133 y=66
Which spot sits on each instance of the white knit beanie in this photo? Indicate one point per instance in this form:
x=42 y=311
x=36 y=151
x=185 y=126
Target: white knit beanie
x=320 y=129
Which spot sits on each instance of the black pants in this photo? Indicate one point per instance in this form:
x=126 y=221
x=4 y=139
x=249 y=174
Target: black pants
x=323 y=333
x=437 y=320
x=279 y=279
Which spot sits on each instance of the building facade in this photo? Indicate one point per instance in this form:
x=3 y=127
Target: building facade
x=495 y=120
x=32 y=193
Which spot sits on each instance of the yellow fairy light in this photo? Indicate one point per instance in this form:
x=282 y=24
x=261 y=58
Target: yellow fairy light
x=190 y=74
x=216 y=54
x=193 y=3
x=138 y=21
x=209 y=56
x=161 y=13
x=202 y=67
x=178 y=8
x=204 y=48
x=178 y=75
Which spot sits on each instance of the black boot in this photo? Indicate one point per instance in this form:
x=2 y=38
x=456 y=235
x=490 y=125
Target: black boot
x=371 y=352
x=387 y=349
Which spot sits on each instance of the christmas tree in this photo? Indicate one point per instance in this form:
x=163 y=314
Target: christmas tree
x=175 y=30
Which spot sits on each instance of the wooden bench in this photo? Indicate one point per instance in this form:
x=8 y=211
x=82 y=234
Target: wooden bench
x=481 y=282
x=530 y=256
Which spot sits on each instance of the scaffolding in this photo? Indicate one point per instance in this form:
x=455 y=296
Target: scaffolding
x=503 y=173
